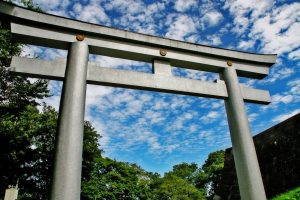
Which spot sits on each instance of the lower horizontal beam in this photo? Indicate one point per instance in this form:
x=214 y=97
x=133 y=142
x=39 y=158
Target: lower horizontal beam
x=134 y=80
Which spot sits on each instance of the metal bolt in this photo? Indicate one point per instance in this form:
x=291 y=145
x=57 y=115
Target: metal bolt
x=229 y=63
x=80 y=37
x=163 y=52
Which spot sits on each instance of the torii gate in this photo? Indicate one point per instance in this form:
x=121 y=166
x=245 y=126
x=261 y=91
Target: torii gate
x=82 y=38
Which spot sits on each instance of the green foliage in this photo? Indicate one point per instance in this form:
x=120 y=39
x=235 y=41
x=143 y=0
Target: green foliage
x=27 y=4
x=8 y=47
x=209 y=175
x=30 y=5
x=24 y=140
x=16 y=92
x=172 y=187
x=27 y=148
x=91 y=150
x=290 y=195
x=117 y=180
x=185 y=171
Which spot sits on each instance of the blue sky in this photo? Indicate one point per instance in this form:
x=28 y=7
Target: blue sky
x=157 y=130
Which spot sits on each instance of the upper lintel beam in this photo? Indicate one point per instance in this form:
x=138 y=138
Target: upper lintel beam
x=25 y=16
x=134 y=51
x=134 y=80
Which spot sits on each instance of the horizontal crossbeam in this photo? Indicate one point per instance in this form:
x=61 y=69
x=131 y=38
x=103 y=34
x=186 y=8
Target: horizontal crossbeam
x=133 y=51
x=16 y=13
x=134 y=80
x=52 y=31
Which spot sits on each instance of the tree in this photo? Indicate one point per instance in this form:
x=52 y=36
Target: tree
x=91 y=150
x=185 y=171
x=16 y=92
x=117 y=180
x=209 y=175
x=172 y=187
x=27 y=149
x=27 y=135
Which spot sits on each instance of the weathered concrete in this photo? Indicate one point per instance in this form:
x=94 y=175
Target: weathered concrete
x=249 y=177
x=136 y=80
x=66 y=180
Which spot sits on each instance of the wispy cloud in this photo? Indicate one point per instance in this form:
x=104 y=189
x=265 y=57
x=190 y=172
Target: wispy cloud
x=212 y=18
x=283 y=117
x=184 y=5
x=180 y=27
x=278 y=27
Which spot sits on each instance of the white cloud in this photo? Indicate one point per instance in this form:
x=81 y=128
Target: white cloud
x=240 y=9
x=246 y=44
x=55 y=7
x=77 y=8
x=278 y=30
x=194 y=74
x=295 y=86
x=210 y=117
x=214 y=40
x=105 y=61
x=295 y=55
x=31 y=51
x=277 y=98
x=53 y=101
x=99 y=127
x=146 y=19
x=95 y=93
x=55 y=88
x=52 y=54
x=181 y=27
x=193 y=38
x=184 y=5
x=278 y=74
x=212 y=18
x=217 y=104
x=283 y=117
x=252 y=117
x=53 y=4
x=129 y=6
x=93 y=13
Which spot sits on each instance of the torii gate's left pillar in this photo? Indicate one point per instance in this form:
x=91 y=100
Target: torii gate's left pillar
x=66 y=179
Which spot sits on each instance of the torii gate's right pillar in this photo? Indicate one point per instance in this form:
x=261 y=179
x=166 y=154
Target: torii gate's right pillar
x=249 y=176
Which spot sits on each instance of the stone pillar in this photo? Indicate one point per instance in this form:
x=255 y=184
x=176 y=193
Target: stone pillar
x=66 y=180
x=249 y=177
x=11 y=194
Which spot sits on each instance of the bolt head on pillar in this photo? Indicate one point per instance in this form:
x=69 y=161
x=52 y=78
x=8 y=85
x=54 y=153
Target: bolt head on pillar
x=229 y=63
x=79 y=37
x=163 y=52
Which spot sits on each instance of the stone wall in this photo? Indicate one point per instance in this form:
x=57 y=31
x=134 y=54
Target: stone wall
x=278 y=151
